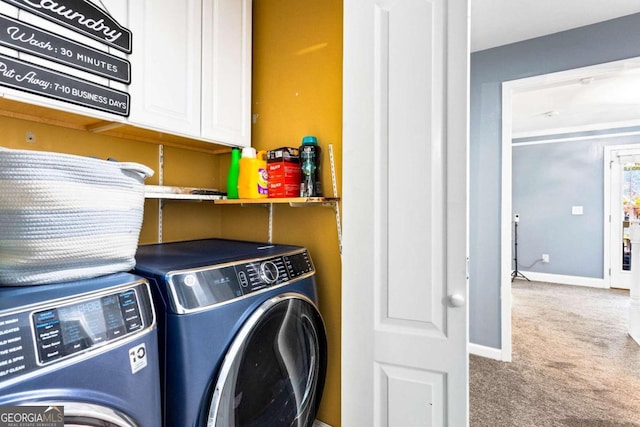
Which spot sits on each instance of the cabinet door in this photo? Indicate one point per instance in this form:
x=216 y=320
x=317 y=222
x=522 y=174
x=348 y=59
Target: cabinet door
x=226 y=71
x=166 y=65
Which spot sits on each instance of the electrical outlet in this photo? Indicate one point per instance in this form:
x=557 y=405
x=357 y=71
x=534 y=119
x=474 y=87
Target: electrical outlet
x=545 y=257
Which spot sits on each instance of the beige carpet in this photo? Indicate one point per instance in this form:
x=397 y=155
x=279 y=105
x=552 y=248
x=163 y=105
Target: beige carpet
x=573 y=362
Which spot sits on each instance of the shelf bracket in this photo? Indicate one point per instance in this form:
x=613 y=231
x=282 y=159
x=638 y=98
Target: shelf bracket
x=270 y=237
x=160 y=179
x=336 y=205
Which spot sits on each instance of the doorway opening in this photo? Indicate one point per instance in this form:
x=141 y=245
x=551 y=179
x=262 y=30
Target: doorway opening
x=510 y=90
x=622 y=178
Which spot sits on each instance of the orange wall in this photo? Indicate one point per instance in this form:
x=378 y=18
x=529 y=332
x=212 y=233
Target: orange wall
x=297 y=91
x=181 y=220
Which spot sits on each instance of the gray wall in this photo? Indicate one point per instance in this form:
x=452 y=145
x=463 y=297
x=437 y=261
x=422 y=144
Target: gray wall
x=548 y=179
x=599 y=43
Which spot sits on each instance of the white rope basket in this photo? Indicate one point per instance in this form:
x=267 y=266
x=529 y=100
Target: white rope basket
x=65 y=217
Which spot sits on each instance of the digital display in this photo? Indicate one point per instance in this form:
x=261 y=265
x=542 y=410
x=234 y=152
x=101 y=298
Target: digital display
x=298 y=264
x=68 y=329
x=207 y=287
x=82 y=325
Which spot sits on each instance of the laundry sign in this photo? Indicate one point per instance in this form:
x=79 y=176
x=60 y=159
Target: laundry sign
x=32 y=78
x=81 y=16
x=36 y=41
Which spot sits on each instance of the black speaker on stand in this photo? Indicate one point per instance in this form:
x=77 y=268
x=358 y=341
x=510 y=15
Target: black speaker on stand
x=516 y=272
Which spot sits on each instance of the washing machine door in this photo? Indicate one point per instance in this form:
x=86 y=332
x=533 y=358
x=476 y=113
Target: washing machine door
x=273 y=375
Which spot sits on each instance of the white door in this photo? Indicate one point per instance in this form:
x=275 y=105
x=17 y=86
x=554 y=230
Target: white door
x=624 y=205
x=405 y=138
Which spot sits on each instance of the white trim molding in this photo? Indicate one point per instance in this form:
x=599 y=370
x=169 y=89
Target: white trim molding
x=583 y=128
x=506 y=219
x=487 y=352
x=560 y=279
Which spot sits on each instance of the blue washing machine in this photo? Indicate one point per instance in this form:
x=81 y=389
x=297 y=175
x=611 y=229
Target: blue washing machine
x=242 y=341
x=87 y=348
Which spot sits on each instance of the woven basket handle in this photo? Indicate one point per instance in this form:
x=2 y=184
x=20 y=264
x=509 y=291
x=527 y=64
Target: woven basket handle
x=143 y=170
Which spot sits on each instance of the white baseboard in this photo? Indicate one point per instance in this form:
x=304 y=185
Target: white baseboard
x=483 y=351
x=317 y=423
x=565 y=280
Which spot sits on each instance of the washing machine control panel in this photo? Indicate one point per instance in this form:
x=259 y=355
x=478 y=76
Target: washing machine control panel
x=62 y=331
x=42 y=334
x=204 y=287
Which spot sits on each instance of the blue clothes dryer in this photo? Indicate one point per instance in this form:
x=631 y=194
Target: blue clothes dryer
x=88 y=348
x=242 y=341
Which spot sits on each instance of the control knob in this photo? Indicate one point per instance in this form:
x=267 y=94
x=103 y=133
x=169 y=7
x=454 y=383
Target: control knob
x=269 y=272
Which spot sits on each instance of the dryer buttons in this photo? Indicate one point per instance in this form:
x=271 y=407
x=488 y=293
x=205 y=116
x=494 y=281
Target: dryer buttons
x=242 y=278
x=190 y=280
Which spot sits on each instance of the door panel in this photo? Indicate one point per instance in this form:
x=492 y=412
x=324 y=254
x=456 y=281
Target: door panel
x=411 y=49
x=407 y=390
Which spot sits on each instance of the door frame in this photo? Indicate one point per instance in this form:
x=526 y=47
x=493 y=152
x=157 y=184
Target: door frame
x=608 y=198
x=509 y=88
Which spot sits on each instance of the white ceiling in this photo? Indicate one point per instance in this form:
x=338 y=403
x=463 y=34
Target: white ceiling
x=606 y=97
x=593 y=98
x=499 y=22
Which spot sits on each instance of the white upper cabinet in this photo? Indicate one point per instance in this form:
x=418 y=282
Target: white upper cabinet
x=191 y=65
x=226 y=71
x=175 y=67
x=166 y=65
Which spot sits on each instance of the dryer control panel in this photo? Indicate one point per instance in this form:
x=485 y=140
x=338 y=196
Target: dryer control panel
x=199 y=288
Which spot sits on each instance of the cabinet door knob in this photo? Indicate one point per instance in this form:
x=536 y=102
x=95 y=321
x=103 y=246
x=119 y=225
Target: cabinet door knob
x=456 y=300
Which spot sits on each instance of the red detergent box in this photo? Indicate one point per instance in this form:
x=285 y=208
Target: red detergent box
x=281 y=189
x=283 y=167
